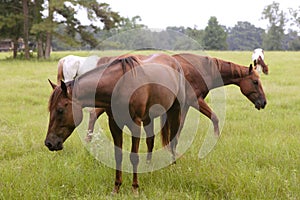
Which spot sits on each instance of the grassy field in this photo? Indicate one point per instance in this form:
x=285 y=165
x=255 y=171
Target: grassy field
x=257 y=156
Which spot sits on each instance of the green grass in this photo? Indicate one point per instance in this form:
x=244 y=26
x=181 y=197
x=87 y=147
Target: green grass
x=257 y=156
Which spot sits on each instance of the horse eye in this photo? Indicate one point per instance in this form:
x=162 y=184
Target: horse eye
x=255 y=82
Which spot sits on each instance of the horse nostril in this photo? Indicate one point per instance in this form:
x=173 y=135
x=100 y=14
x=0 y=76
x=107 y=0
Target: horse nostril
x=48 y=144
x=264 y=103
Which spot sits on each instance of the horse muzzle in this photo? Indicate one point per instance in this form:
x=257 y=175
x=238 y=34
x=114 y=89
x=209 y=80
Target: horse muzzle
x=260 y=104
x=54 y=146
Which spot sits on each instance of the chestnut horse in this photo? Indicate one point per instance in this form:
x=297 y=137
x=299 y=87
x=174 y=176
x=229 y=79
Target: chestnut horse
x=206 y=73
x=70 y=67
x=108 y=87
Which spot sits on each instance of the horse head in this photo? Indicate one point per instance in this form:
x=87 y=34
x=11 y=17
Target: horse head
x=259 y=65
x=65 y=115
x=252 y=88
x=258 y=60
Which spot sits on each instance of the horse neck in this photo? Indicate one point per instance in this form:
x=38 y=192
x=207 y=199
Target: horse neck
x=231 y=73
x=94 y=89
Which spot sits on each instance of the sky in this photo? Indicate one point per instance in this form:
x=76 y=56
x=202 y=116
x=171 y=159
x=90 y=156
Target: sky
x=158 y=14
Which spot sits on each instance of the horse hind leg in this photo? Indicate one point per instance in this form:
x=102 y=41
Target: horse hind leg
x=60 y=74
x=174 y=123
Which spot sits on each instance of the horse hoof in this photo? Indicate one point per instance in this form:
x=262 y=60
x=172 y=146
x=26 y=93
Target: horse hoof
x=135 y=192
x=89 y=137
x=217 y=134
x=115 y=191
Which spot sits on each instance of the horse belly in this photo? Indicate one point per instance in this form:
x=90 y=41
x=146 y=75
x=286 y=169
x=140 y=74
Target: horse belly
x=151 y=101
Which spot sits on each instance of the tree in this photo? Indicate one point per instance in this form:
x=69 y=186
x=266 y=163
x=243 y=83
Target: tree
x=22 y=18
x=11 y=21
x=195 y=34
x=292 y=41
x=244 y=36
x=130 y=23
x=214 y=36
x=26 y=27
x=295 y=16
x=273 y=40
x=67 y=13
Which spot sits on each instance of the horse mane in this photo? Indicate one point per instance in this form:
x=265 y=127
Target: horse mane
x=236 y=70
x=54 y=97
x=106 y=62
x=125 y=60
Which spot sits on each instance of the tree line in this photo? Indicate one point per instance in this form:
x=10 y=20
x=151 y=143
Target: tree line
x=58 y=25
x=243 y=36
x=39 y=21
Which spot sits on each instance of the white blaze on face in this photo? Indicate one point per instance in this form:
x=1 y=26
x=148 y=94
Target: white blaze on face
x=256 y=53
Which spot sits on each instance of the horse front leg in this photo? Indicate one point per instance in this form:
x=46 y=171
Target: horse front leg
x=94 y=115
x=134 y=156
x=118 y=141
x=205 y=109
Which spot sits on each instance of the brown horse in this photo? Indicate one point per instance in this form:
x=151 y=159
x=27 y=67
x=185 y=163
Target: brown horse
x=70 y=67
x=163 y=84
x=94 y=115
x=206 y=73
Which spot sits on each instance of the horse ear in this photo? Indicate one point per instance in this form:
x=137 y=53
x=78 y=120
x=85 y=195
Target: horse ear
x=250 y=68
x=64 y=88
x=52 y=84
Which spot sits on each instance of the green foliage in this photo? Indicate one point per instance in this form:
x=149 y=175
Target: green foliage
x=214 y=36
x=44 y=26
x=291 y=41
x=273 y=40
x=97 y=12
x=63 y=28
x=295 y=16
x=244 y=36
x=10 y=18
x=147 y=39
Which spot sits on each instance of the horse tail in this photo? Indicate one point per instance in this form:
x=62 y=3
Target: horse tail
x=165 y=130
x=60 y=75
x=181 y=82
